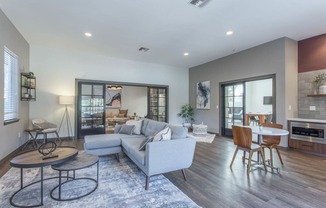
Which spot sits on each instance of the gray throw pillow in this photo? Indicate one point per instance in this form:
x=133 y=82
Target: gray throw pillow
x=126 y=129
x=142 y=146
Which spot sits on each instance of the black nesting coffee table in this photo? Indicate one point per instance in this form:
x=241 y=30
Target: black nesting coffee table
x=82 y=161
x=34 y=159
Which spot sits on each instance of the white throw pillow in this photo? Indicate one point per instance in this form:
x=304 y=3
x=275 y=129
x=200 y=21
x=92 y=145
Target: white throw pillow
x=165 y=134
x=137 y=125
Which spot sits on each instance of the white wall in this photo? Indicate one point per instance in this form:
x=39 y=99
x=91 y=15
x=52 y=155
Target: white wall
x=135 y=100
x=12 y=39
x=255 y=92
x=56 y=70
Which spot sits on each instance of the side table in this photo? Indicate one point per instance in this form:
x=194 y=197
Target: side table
x=82 y=161
x=31 y=138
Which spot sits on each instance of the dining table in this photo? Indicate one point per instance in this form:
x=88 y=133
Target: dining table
x=260 y=131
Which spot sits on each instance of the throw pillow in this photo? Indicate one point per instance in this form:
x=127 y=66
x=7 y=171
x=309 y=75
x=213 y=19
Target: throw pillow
x=164 y=134
x=142 y=146
x=121 y=115
x=126 y=129
x=137 y=124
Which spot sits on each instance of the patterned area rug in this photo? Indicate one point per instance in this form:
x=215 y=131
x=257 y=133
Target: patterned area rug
x=120 y=185
x=208 y=138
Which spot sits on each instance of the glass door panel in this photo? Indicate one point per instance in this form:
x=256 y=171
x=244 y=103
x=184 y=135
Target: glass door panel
x=90 y=109
x=233 y=99
x=157 y=103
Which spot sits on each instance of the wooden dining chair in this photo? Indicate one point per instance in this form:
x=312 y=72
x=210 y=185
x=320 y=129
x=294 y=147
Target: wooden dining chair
x=272 y=142
x=242 y=137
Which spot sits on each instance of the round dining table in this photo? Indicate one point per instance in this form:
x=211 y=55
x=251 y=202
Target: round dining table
x=260 y=131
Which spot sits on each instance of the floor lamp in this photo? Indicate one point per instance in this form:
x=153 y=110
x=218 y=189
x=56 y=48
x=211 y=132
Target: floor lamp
x=66 y=100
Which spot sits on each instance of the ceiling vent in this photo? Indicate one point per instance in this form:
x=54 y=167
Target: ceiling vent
x=143 y=49
x=199 y=3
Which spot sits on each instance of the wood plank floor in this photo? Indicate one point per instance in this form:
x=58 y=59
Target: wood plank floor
x=211 y=183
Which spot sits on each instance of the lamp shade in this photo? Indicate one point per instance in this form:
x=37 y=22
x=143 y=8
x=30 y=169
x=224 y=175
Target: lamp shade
x=66 y=100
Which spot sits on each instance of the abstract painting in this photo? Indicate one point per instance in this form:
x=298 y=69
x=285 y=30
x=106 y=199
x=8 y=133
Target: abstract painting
x=113 y=98
x=203 y=95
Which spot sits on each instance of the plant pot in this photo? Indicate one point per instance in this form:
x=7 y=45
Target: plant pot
x=187 y=125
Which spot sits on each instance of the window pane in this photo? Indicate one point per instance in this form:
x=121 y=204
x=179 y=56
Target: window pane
x=10 y=85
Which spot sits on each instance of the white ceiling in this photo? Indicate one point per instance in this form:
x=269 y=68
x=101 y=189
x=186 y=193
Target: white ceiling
x=168 y=27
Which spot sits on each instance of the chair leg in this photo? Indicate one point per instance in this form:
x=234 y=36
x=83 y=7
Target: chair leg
x=235 y=153
x=244 y=156
x=147 y=183
x=279 y=155
x=271 y=156
x=249 y=161
x=57 y=135
x=263 y=159
x=184 y=174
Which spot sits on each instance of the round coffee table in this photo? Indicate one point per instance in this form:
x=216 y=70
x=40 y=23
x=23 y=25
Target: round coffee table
x=82 y=161
x=34 y=159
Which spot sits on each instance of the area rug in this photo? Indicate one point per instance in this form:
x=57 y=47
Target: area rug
x=120 y=185
x=208 y=138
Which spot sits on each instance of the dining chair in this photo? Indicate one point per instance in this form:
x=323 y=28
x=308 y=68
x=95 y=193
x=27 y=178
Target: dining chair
x=254 y=120
x=272 y=142
x=242 y=137
x=46 y=128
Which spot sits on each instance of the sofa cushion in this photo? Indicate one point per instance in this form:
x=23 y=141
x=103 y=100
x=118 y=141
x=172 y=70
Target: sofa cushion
x=142 y=146
x=144 y=126
x=131 y=145
x=164 y=134
x=178 y=132
x=137 y=124
x=102 y=141
x=153 y=127
x=126 y=129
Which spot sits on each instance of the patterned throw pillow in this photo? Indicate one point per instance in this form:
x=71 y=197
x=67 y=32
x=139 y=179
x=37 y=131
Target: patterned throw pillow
x=142 y=146
x=165 y=134
x=126 y=129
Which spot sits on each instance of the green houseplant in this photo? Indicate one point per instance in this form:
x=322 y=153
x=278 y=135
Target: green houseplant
x=187 y=113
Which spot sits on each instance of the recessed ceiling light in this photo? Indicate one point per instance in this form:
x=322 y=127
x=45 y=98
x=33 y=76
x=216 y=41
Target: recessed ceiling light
x=229 y=32
x=186 y=54
x=87 y=34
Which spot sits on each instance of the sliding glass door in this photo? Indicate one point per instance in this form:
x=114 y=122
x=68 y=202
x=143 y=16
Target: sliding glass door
x=247 y=102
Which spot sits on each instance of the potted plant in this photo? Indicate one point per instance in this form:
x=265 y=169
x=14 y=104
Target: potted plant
x=317 y=82
x=187 y=113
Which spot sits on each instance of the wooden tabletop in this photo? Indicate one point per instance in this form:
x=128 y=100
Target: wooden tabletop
x=34 y=159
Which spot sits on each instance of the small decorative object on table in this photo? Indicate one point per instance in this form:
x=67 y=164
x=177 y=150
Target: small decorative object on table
x=199 y=130
x=317 y=82
x=46 y=150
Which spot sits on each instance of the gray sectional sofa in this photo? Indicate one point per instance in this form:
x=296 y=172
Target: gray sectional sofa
x=157 y=158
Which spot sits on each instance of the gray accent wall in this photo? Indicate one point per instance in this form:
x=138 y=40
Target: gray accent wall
x=12 y=135
x=277 y=57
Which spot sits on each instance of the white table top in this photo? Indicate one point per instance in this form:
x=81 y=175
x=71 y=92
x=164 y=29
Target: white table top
x=268 y=131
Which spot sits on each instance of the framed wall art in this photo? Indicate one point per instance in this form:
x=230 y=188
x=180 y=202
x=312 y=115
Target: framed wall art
x=203 y=96
x=113 y=98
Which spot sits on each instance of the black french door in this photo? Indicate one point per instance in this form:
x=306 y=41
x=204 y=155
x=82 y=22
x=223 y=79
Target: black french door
x=233 y=106
x=90 y=109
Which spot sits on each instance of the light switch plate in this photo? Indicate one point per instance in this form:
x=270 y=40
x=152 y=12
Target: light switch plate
x=312 y=108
